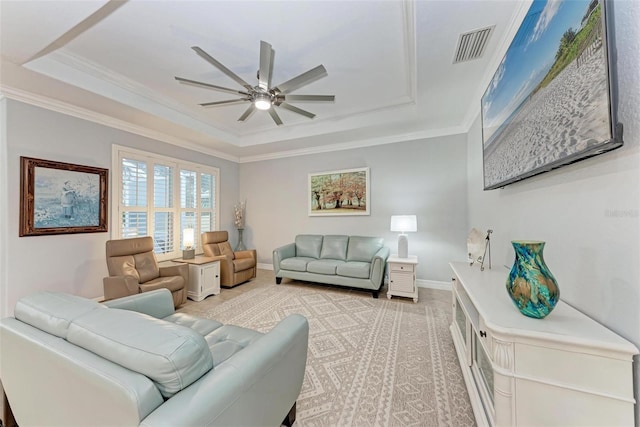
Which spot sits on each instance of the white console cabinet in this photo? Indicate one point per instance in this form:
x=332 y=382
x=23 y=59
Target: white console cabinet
x=563 y=370
x=204 y=277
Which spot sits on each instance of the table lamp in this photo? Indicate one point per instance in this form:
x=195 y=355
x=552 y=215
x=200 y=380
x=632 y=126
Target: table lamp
x=403 y=224
x=188 y=239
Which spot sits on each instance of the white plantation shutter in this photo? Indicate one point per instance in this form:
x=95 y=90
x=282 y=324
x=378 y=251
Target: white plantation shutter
x=133 y=222
x=163 y=206
x=160 y=197
x=207 y=202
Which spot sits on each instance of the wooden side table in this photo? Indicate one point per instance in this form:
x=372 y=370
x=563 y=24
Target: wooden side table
x=402 y=277
x=204 y=277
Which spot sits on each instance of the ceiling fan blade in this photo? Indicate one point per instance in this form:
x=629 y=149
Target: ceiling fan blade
x=266 y=65
x=303 y=79
x=275 y=116
x=296 y=110
x=210 y=86
x=309 y=98
x=227 y=102
x=247 y=113
x=221 y=67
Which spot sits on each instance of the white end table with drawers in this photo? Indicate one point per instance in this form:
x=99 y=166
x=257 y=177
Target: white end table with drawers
x=402 y=277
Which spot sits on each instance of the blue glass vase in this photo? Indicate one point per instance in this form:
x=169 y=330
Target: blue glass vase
x=531 y=286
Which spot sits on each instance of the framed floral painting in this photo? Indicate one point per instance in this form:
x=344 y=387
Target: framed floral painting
x=341 y=192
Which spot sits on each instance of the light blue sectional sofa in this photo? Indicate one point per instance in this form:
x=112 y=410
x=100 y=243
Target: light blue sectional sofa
x=350 y=261
x=70 y=361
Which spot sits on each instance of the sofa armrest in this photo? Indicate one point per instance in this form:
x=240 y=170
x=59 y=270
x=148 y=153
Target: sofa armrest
x=257 y=386
x=120 y=286
x=281 y=253
x=158 y=303
x=378 y=265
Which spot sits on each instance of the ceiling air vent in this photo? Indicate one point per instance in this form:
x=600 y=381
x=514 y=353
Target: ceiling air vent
x=472 y=45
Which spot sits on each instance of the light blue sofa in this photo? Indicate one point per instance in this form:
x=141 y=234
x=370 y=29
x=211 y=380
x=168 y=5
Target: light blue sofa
x=352 y=261
x=133 y=361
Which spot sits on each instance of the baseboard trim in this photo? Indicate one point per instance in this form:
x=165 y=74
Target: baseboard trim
x=432 y=284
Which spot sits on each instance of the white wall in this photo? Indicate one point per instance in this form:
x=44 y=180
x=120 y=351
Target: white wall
x=4 y=208
x=588 y=213
x=73 y=263
x=423 y=177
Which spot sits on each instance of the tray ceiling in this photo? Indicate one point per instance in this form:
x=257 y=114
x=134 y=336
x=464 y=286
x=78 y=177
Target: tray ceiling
x=390 y=65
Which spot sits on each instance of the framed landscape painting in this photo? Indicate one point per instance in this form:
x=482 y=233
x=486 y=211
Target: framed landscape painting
x=61 y=198
x=342 y=192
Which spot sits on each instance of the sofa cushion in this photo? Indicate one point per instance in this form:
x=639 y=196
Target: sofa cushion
x=363 y=248
x=296 y=263
x=324 y=266
x=226 y=341
x=358 y=269
x=334 y=247
x=198 y=324
x=171 y=355
x=52 y=312
x=308 y=245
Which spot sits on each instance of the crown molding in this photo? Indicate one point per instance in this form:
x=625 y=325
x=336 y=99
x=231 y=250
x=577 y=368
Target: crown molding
x=86 y=73
x=362 y=143
x=103 y=119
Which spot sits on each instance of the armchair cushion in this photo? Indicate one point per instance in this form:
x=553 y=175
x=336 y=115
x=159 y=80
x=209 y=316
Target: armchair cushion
x=147 y=266
x=173 y=283
x=225 y=249
x=123 y=266
x=172 y=356
x=241 y=264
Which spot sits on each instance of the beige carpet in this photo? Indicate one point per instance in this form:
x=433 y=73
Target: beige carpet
x=370 y=362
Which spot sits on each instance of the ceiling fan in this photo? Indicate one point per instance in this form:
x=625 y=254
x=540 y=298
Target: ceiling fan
x=264 y=96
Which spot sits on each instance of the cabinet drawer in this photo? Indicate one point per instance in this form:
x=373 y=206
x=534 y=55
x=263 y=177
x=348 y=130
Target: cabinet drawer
x=401 y=267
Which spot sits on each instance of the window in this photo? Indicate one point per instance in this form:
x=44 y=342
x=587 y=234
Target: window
x=159 y=197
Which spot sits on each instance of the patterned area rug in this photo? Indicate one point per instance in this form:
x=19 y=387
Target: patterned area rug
x=371 y=362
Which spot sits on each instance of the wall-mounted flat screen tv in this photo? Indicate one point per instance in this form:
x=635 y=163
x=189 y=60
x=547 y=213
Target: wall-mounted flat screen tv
x=552 y=100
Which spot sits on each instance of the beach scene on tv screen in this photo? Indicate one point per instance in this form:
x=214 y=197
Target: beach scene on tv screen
x=549 y=97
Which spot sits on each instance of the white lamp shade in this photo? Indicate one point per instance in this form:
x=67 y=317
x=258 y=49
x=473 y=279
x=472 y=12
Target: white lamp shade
x=404 y=223
x=188 y=238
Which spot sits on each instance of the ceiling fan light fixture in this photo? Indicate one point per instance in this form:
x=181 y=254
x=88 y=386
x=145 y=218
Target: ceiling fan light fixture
x=262 y=101
x=264 y=95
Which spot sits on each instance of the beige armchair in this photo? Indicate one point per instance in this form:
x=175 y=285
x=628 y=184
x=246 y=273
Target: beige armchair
x=235 y=267
x=133 y=269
